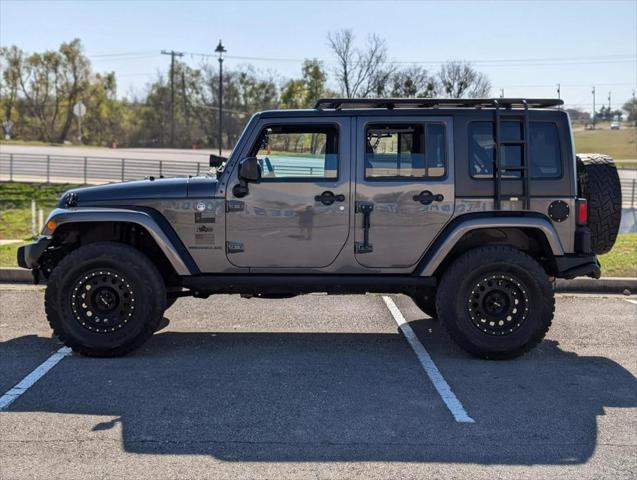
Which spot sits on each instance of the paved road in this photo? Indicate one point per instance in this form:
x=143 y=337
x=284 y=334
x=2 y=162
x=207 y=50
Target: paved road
x=320 y=387
x=168 y=154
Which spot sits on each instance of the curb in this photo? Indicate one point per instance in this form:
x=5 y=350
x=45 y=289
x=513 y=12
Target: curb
x=615 y=285
x=17 y=275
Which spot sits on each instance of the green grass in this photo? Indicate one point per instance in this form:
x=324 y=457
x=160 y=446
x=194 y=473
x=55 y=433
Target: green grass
x=15 y=205
x=8 y=254
x=619 y=144
x=621 y=261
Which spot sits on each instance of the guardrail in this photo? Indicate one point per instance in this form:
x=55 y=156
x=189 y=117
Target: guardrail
x=96 y=170
x=629 y=192
x=90 y=169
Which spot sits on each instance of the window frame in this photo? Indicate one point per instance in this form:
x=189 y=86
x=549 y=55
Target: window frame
x=509 y=179
x=336 y=126
x=402 y=179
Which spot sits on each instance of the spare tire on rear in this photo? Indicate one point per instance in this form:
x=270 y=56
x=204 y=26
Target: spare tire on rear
x=598 y=182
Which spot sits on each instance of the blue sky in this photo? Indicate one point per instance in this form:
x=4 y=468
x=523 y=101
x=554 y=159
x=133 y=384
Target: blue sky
x=575 y=43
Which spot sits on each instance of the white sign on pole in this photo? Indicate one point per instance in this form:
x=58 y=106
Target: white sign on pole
x=79 y=109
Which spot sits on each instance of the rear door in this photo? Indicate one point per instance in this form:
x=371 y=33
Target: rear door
x=298 y=215
x=404 y=187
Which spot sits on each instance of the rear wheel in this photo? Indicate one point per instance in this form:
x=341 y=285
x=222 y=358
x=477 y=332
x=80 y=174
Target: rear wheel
x=496 y=302
x=105 y=299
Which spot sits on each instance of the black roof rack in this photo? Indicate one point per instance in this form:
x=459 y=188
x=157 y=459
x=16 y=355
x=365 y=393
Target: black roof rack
x=391 y=103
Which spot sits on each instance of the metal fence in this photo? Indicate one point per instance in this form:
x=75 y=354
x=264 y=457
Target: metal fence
x=96 y=170
x=89 y=169
x=629 y=192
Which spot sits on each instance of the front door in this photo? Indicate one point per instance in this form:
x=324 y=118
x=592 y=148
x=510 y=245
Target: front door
x=298 y=215
x=404 y=187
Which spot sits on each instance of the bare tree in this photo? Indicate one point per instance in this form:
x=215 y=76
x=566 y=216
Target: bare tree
x=359 y=72
x=413 y=82
x=460 y=79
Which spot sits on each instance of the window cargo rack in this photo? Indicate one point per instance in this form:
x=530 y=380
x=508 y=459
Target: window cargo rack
x=394 y=103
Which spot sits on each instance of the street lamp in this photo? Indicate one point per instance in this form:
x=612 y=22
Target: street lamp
x=220 y=50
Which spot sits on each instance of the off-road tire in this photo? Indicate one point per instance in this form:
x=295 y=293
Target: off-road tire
x=135 y=299
x=513 y=274
x=170 y=301
x=425 y=300
x=599 y=184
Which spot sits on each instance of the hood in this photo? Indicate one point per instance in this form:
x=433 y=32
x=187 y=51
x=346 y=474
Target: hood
x=127 y=192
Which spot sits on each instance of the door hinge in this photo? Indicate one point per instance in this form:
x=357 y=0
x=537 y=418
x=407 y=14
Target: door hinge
x=234 y=247
x=234 y=206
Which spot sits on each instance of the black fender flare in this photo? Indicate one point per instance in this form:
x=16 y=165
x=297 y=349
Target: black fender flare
x=155 y=224
x=462 y=225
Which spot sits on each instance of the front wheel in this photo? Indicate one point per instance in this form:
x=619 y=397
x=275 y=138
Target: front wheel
x=425 y=300
x=496 y=302
x=105 y=299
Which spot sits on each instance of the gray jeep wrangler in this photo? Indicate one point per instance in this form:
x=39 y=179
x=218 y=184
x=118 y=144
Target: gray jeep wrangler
x=470 y=207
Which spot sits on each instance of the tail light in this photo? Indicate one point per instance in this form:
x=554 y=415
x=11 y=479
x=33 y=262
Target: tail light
x=581 y=205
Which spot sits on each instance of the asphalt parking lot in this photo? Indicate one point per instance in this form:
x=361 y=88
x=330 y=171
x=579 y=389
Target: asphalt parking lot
x=320 y=387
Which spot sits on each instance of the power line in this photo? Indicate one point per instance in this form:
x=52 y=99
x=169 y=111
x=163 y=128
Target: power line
x=537 y=61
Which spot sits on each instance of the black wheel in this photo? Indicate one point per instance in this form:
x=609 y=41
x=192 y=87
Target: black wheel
x=599 y=184
x=170 y=301
x=496 y=302
x=105 y=299
x=426 y=300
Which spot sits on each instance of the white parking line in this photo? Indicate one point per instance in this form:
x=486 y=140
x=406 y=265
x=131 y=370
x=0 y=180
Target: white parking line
x=439 y=382
x=28 y=381
x=631 y=300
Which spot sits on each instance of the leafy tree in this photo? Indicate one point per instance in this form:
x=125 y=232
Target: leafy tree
x=630 y=107
x=577 y=115
x=605 y=113
x=304 y=92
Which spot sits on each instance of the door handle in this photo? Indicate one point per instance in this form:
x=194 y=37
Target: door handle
x=366 y=208
x=328 y=198
x=426 y=197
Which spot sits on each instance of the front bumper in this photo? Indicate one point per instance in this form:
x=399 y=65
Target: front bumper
x=29 y=254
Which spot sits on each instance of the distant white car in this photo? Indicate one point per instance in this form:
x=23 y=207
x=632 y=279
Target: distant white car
x=614 y=125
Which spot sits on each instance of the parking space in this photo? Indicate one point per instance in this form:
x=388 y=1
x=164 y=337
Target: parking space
x=320 y=386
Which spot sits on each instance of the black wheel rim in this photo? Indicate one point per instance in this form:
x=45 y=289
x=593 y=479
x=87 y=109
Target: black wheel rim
x=103 y=301
x=498 y=304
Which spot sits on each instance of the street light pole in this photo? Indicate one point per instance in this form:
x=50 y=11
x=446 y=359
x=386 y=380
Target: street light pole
x=593 y=92
x=220 y=50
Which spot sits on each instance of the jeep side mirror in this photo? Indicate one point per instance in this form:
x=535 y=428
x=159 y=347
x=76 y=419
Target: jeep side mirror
x=250 y=170
x=216 y=160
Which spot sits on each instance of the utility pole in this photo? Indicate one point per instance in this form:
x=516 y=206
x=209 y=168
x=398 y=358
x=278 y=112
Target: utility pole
x=559 y=92
x=220 y=50
x=634 y=108
x=609 y=103
x=502 y=93
x=593 y=92
x=186 y=113
x=172 y=54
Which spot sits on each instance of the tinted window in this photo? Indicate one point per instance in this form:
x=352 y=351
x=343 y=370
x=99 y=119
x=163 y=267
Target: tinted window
x=546 y=159
x=405 y=151
x=298 y=151
x=544 y=150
